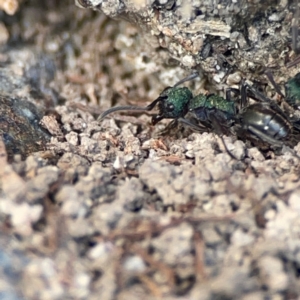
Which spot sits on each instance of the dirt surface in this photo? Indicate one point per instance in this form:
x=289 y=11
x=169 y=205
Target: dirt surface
x=222 y=39
x=114 y=210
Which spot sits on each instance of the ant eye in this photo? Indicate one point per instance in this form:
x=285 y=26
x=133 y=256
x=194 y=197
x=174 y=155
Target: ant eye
x=170 y=107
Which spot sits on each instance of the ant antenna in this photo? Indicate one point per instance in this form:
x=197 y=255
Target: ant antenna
x=128 y=108
x=120 y=108
x=275 y=85
x=188 y=78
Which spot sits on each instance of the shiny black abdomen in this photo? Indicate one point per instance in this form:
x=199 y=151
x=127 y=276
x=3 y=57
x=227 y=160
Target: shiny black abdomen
x=267 y=120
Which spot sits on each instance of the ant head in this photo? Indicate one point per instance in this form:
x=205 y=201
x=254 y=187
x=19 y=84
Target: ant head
x=172 y=103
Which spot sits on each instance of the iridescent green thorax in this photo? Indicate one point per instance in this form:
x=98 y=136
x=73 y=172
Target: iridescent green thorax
x=292 y=91
x=210 y=102
x=174 y=102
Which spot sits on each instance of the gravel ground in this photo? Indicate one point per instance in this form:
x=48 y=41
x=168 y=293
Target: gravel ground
x=115 y=210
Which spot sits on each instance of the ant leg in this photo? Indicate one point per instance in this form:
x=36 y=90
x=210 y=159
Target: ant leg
x=188 y=78
x=247 y=89
x=192 y=125
x=219 y=130
x=275 y=85
x=295 y=32
x=229 y=91
x=226 y=148
x=296 y=61
x=264 y=137
x=296 y=125
x=173 y=124
x=244 y=99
